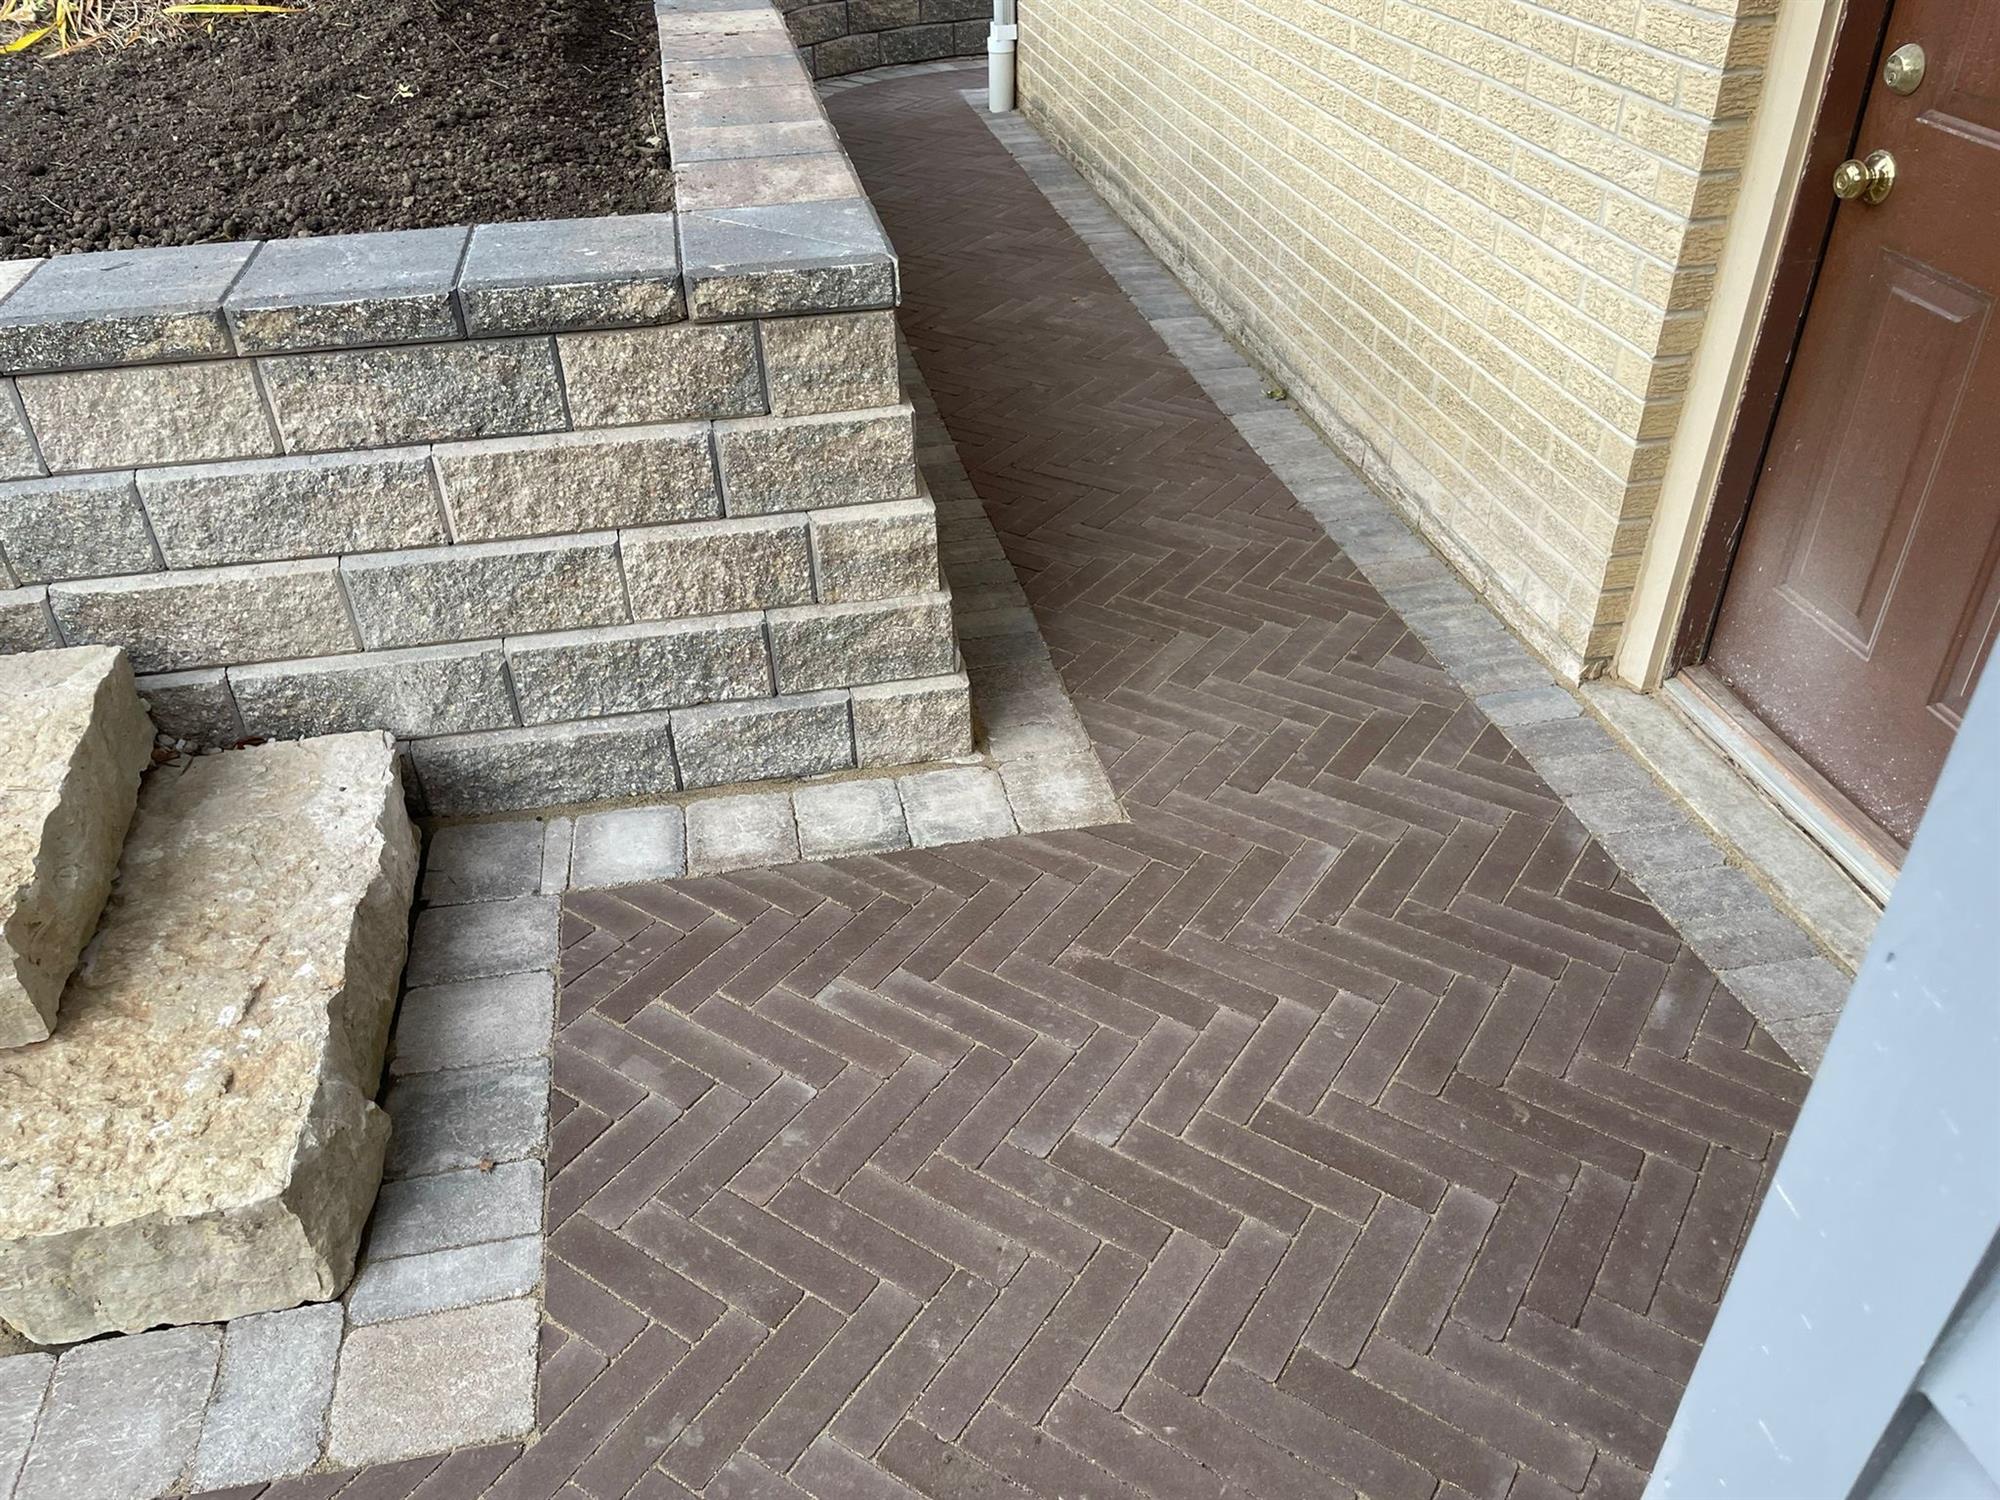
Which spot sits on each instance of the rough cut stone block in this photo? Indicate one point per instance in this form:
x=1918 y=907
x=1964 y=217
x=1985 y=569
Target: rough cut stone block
x=744 y=181
x=425 y=690
x=622 y=669
x=955 y=806
x=461 y=1117
x=24 y=1385
x=901 y=723
x=761 y=741
x=377 y=398
x=741 y=833
x=207 y=617
x=673 y=374
x=74 y=740
x=421 y=1214
x=219 y=1146
x=581 y=481
x=120 y=307
x=553 y=765
x=629 y=845
x=148 y=414
x=560 y=274
x=716 y=567
x=18 y=458
x=123 y=1417
x=444 y=1381
x=469 y=1022
x=884 y=551
x=803 y=463
x=783 y=258
x=268 y=1414
x=487 y=589
x=464 y=1276
x=196 y=707
x=269 y=510
x=84 y=526
x=850 y=817
x=842 y=362
x=837 y=645
x=25 y=621
x=337 y=290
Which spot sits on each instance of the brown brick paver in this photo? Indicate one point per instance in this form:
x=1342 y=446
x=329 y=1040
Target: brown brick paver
x=1343 y=1124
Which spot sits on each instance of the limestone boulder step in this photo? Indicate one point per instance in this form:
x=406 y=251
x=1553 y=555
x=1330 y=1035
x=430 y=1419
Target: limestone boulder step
x=74 y=738
x=199 y=1140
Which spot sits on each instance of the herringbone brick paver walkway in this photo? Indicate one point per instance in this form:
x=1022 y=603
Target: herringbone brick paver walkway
x=1345 y=1123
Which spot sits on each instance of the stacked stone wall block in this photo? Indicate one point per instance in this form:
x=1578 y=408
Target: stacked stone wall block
x=832 y=363
x=621 y=669
x=848 y=36
x=19 y=457
x=902 y=723
x=209 y=617
x=444 y=594
x=148 y=414
x=197 y=706
x=422 y=393
x=25 y=621
x=428 y=690
x=769 y=739
x=676 y=373
x=74 y=526
x=268 y=510
x=553 y=765
x=795 y=463
x=879 y=551
x=840 y=645
x=587 y=481
x=716 y=567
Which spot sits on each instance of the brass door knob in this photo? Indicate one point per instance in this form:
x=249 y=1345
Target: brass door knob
x=1870 y=180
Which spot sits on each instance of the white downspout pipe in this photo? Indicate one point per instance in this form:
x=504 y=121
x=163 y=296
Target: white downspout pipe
x=1000 y=58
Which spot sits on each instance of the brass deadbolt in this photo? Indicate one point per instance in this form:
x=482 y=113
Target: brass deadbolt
x=1904 y=69
x=1870 y=180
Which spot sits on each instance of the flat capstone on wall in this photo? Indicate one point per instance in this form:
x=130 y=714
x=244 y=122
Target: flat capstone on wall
x=582 y=511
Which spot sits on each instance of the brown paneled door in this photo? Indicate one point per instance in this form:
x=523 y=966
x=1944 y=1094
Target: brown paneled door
x=1863 y=600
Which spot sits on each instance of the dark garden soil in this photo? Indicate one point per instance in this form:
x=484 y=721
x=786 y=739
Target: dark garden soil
x=349 y=115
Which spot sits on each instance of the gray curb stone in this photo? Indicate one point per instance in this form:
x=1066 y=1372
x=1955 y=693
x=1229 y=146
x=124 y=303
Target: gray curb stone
x=629 y=845
x=268 y=1415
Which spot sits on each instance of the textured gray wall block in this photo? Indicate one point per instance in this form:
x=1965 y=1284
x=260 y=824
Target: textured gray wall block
x=813 y=24
x=577 y=481
x=841 y=362
x=713 y=567
x=838 y=645
x=271 y=509
x=850 y=817
x=910 y=44
x=193 y=706
x=211 y=617
x=122 y=1419
x=627 y=845
x=797 y=463
x=784 y=258
x=758 y=741
x=881 y=551
x=268 y=1414
x=848 y=54
x=744 y=181
x=562 y=274
x=18 y=459
x=25 y=622
x=466 y=1276
x=741 y=833
x=150 y=414
x=488 y=589
x=902 y=723
x=670 y=374
x=338 y=290
x=85 y=526
x=959 y=10
x=455 y=1208
x=375 y=398
x=555 y=765
x=461 y=1117
x=24 y=1382
x=955 y=806
x=444 y=1381
x=622 y=669
x=428 y=690
x=120 y=307
x=880 y=15
x=474 y=1021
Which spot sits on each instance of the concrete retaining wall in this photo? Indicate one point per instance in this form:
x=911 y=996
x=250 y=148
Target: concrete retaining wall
x=582 y=511
x=848 y=36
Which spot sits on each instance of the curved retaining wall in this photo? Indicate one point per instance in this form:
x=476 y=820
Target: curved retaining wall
x=848 y=36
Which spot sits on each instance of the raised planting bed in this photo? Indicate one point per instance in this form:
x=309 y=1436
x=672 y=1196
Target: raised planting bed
x=582 y=509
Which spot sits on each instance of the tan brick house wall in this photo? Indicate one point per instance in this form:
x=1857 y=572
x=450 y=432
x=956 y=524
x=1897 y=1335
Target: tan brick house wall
x=1476 y=239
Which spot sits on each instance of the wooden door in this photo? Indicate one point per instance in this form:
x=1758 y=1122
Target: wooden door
x=1863 y=600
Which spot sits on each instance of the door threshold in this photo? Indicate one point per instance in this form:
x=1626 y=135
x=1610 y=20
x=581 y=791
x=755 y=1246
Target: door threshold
x=1827 y=816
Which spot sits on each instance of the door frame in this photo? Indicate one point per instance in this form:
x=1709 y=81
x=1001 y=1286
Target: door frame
x=1834 y=134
